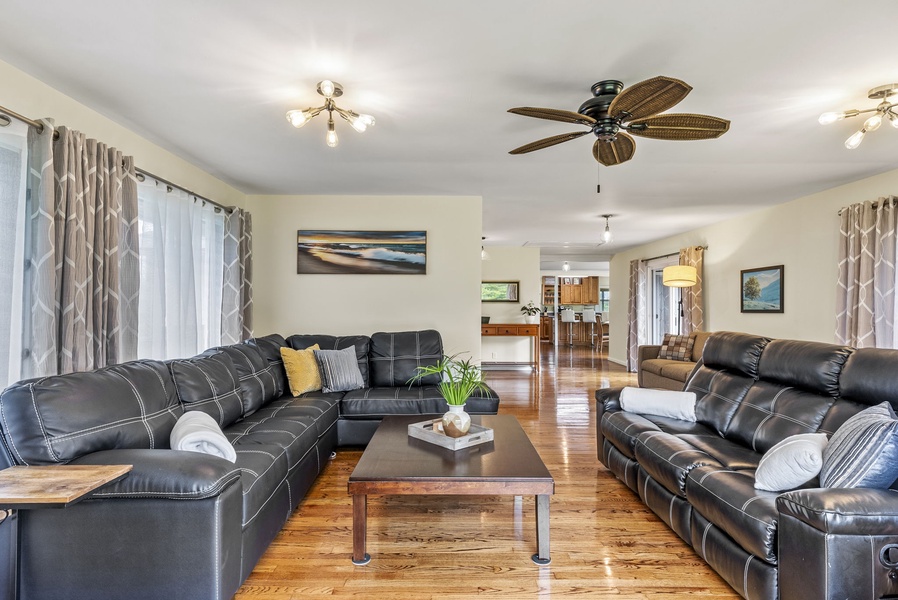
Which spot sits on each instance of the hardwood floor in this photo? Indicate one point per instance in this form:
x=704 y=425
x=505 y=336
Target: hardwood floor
x=605 y=542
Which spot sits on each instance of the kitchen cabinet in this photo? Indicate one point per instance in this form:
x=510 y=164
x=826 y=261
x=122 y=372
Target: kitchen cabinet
x=549 y=295
x=591 y=290
x=546 y=329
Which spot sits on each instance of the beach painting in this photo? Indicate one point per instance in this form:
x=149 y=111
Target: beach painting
x=338 y=252
x=762 y=290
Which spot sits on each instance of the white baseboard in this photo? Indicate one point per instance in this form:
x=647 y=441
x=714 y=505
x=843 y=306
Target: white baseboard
x=622 y=363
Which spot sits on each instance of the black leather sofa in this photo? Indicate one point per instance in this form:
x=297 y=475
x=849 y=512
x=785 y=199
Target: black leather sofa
x=698 y=477
x=185 y=525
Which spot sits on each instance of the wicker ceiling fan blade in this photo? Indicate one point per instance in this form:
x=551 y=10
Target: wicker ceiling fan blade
x=648 y=98
x=553 y=114
x=680 y=127
x=613 y=153
x=546 y=142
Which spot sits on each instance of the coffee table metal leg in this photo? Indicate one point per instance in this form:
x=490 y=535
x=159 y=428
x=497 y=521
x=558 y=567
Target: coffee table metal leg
x=542 y=531
x=359 y=529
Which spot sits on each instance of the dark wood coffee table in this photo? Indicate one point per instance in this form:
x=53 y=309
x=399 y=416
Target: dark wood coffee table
x=396 y=464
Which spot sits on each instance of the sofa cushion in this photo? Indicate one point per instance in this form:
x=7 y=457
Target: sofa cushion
x=263 y=467
x=296 y=435
x=718 y=395
x=379 y=402
x=209 y=383
x=60 y=418
x=770 y=412
x=668 y=459
x=654 y=365
x=622 y=428
x=339 y=370
x=728 y=453
x=258 y=378
x=270 y=347
x=863 y=452
x=677 y=347
x=729 y=500
x=361 y=343
x=861 y=379
x=737 y=351
x=811 y=366
x=677 y=369
x=302 y=370
x=395 y=357
x=322 y=408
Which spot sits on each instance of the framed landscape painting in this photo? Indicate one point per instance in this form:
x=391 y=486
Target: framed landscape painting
x=337 y=252
x=762 y=290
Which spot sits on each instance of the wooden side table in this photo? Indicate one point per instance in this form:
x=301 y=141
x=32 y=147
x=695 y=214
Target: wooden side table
x=55 y=486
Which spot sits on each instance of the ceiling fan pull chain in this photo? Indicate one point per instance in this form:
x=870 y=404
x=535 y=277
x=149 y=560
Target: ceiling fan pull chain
x=598 y=178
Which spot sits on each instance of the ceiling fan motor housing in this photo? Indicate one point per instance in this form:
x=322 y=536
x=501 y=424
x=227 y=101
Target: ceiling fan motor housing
x=603 y=92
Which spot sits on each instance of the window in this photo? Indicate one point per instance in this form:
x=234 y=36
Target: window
x=663 y=301
x=604 y=300
x=13 y=172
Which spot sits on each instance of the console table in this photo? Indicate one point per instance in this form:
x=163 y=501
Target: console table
x=53 y=486
x=516 y=329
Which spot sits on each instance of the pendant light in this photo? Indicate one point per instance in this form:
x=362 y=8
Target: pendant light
x=566 y=266
x=607 y=236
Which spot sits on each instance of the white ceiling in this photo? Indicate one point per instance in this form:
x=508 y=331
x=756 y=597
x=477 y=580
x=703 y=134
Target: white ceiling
x=211 y=80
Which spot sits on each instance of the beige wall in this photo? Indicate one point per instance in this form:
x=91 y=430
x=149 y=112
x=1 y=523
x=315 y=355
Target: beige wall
x=33 y=99
x=802 y=235
x=510 y=264
x=447 y=298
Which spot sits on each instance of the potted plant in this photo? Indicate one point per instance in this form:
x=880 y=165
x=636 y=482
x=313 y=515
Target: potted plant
x=459 y=379
x=531 y=313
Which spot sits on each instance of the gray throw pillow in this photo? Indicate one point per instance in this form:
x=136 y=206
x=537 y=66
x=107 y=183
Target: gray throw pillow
x=863 y=452
x=339 y=370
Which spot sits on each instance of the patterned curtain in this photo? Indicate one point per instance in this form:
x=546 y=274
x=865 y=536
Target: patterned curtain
x=637 y=308
x=865 y=294
x=82 y=256
x=693 y=305
x=237 y=295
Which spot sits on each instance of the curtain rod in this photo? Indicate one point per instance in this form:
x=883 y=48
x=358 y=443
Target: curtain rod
x=677 y=253
x=6 y=113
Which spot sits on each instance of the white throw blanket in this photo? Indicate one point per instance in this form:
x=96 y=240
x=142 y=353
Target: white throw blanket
x=662 y=403
x=196 y=431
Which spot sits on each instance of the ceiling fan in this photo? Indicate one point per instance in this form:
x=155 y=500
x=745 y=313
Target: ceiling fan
x=613 y=111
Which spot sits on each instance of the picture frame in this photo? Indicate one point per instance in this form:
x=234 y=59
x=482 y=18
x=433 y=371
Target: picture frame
x=360 y=252
x=761 y=290
x=566 y=281
x=575 y=280
x=500 y=291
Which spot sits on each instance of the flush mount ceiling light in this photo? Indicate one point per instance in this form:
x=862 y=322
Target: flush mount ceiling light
x=607 y=237
x=330 y=90
x=885 y=109
x=566 y=266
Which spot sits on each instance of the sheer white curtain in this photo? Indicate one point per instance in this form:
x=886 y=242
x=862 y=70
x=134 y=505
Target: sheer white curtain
x=181 y=256
x=13 y=174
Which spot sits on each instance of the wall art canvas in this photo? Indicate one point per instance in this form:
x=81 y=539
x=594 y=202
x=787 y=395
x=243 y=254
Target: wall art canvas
x=762 y=290
x=339 y=252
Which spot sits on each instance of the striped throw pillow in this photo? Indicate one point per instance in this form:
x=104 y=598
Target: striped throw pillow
x=339 y=370
x=863 y=452
x=677 y=347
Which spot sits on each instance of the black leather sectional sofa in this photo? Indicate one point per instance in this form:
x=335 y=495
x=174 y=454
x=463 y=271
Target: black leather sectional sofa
x=185 y=525
x=699 y=477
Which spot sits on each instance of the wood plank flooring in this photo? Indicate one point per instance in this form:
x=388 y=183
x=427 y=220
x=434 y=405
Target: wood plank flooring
x=605 y=542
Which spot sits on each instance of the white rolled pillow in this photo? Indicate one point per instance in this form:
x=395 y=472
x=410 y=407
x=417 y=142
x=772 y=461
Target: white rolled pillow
x=196 y=431
x=661 y=403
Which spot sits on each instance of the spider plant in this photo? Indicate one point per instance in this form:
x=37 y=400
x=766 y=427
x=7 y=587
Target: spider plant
x=459 y=378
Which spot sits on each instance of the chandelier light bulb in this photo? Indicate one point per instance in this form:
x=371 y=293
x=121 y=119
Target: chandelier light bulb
x=298 y=118
x=893 y=120
x=855 y=140
x=368 y=120
x=566 y=266
x=331 y=137
x=358 y=124
x=327 y=88
x=830 y=117
x=873 y=123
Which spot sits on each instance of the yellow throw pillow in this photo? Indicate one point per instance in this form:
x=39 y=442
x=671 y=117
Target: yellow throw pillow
x=302 y=370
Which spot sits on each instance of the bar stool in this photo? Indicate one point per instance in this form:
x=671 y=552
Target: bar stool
x=567 y=316
x=603 y=333
x=589 y=316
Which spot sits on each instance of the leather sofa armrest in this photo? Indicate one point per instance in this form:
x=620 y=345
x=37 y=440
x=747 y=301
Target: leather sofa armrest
x=857 y=511
x=643 y=353
x=607 y=400
x=165 y=474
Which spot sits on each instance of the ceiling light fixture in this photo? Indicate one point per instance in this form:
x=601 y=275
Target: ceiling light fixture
x=566 y=266
x=607 y=236
x=886 y=109
x=330 y=90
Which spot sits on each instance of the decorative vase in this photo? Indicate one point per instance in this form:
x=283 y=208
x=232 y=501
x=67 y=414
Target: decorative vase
x=456 y=422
